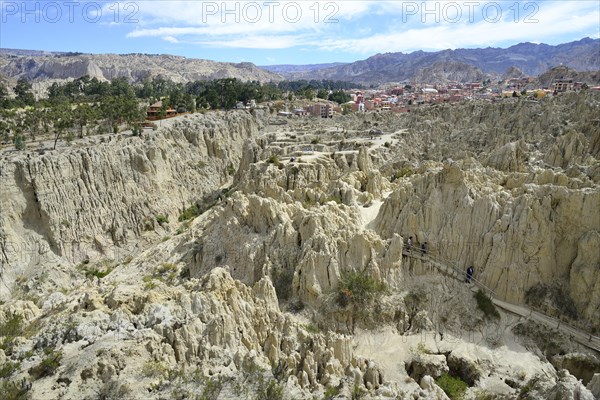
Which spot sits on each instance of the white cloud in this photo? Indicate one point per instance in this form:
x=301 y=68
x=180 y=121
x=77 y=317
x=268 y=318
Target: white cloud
x=553 y=21
x=256 y=42
x=363 y=27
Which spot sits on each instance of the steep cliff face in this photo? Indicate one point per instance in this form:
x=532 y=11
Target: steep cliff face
x=98 y=199
x=538 y=232
x=524 y=188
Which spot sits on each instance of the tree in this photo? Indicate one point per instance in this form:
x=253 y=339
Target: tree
x=4 y=132
x=4 y=100
x=190 y=103
x=339 y=97
x=146 y=91
x=32 y=120
x=322 y=94
x=163 y=108
x=110 y=112
x=96 y=88
x=20 y=142
x=23 y=92
x=131 y=111
x=120 y=87
x=83 y=115
x=176 y=97
x=62 y=121
x=309 y=93
x=56 y=94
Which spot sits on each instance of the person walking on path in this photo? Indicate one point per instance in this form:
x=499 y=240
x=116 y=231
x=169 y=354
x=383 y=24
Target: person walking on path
x=424 y=248
x=409 y=244
x=469 y=274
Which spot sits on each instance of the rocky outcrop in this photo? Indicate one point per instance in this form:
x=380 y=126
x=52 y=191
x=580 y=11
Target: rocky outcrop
x=99 y=199
x=305 y=250
x=515 y=239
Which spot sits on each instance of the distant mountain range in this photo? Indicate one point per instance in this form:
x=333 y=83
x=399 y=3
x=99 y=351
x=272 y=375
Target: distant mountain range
x=448 y=65
x=40 y=66
x=460 y=65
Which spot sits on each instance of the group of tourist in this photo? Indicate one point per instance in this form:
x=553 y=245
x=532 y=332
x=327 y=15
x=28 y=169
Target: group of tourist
x=409 y=247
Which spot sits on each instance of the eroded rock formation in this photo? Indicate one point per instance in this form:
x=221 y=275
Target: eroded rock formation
x=291 y=278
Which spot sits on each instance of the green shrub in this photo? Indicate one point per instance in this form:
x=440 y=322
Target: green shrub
x=149 y=282
x=282 y=281
x=14 y=391
x=274 y=159
x=48 y=365
x=270 y=390
x=154 y=369
x=230 y=169
x=455 y=388
x=166 y=272
x=333 y=198
x=212 y=388
x=485 y=304
x=9 y=368
x=404 y=171
x=99 y=271
x=528 y=387
x=312 y=328
x=357 y=391
x=10 y=330
x=166 y=268
x=357 y=288
x=483 y=394
x=190 y=213
x=331 y=392
x=162 y=219
x=185 y=273
x=20 y=142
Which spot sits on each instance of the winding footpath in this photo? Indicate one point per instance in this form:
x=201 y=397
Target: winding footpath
x=582 y=337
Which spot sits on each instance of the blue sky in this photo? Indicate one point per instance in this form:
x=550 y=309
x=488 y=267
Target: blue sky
x=289 y=32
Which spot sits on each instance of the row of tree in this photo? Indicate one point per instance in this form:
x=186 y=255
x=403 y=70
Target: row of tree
x=220 y=93
x=88 y=105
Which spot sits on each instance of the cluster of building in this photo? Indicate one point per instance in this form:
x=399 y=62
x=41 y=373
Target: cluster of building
x=323 y=110
x=403 y=97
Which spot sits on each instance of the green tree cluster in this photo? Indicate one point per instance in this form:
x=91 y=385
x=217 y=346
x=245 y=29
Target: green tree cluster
x=76 y=107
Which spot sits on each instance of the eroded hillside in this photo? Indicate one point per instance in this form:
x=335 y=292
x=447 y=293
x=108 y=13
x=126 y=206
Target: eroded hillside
x=239 y=255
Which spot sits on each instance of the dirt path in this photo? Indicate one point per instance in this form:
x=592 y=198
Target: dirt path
x=584 y=338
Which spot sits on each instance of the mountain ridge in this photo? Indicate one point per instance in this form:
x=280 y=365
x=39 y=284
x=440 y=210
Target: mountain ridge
x=135 y=67
x=463 y=65
x=532 y=59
